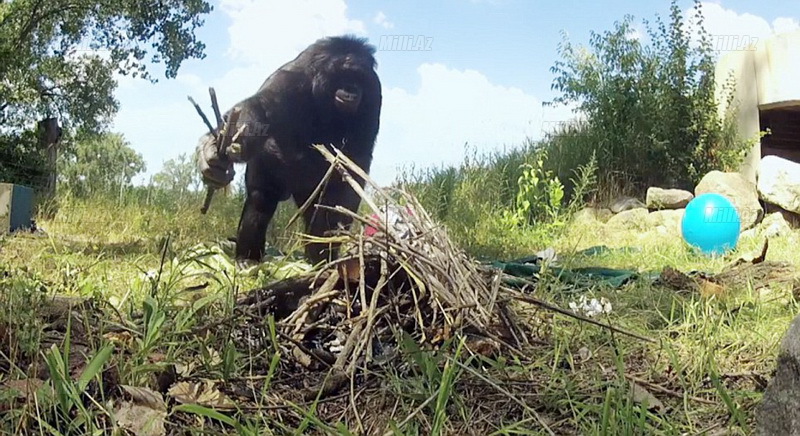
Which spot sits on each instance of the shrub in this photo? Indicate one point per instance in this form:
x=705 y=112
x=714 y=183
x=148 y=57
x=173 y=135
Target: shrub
x=651 y=117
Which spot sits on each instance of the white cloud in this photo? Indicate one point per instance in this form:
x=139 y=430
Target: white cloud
x=292 y=27
x=635 y=33
x=785 y=24
x=451 y=108
x=380 y=19
x=730 y=30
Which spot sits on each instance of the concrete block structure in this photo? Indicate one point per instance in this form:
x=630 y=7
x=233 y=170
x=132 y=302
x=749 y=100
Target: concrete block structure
x=16 y=207
x=767 y=75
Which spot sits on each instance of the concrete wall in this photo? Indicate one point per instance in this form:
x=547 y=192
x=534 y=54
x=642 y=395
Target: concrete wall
x=767 y=75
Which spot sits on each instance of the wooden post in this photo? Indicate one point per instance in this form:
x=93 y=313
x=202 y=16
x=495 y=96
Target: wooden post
x=49 y=136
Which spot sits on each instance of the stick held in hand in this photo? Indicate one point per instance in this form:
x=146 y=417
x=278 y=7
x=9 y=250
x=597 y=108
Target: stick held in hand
x=202 y=115
x=223 y=142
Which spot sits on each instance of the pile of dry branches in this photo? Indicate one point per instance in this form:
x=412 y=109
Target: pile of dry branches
x=417 y=281
x=348 y=314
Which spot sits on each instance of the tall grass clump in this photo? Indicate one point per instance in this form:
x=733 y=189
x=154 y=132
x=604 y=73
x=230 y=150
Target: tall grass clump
x=150 y=213
x=649 y=112
x=500 y=204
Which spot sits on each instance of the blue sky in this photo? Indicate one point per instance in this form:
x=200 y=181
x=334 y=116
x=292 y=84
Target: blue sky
x=482 y=82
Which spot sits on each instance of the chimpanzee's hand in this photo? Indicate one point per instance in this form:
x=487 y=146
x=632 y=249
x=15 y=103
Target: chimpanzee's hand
x=217 y=171
x=235 y=153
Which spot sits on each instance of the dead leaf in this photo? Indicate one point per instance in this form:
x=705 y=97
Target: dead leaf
x=145 y=397
x=25 y=388
x=711 y=289
x=204 y=394
x=124 y=339
x=645 y=398
x=350 y=270
x=140 y=419
x=215 y=358
x=185 y=370
x=484 y=347
x=301 y=357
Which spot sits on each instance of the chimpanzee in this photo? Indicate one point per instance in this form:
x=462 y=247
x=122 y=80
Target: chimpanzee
x=330 y=94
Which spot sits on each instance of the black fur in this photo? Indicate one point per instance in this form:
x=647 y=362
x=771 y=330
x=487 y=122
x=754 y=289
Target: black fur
x=293 y=109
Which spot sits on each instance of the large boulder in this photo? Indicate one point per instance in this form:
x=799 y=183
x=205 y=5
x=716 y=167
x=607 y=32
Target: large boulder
x=779 y=182
x=630 y=219
x=658 y=198
x=669 y=219
x=741 y=192
x=772 y=226
x=779 y=411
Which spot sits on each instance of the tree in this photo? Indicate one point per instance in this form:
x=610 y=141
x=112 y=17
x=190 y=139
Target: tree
x=178 y=175
x=100 y=164
x=21 y=161
x=46 y=71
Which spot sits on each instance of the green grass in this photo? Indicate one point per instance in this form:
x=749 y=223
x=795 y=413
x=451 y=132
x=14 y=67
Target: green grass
x=142 y=257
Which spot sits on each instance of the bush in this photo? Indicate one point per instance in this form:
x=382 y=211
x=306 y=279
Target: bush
x=650 y=113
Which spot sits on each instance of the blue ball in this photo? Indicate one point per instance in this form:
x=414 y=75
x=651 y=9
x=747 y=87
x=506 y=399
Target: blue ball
x=711 y=223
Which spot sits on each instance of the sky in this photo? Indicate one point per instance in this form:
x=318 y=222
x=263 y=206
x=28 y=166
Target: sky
x=478 y=76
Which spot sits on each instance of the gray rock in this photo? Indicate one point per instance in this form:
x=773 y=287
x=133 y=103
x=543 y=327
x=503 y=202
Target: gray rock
x=585 y=215
x=774 y=225
x=669 y=219
x=658 y=198
x=589 y=215
x=779 y=182
x=630 y=219
x=779 y=411
x=741 y=192
x=603 y=215
x=749 y=233
x=625 y=203
x=792 y=218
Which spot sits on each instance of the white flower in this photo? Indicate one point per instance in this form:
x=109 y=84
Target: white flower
x=591 y=308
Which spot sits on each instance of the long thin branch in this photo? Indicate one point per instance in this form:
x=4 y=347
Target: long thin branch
x=666 y=391
x=571 y=314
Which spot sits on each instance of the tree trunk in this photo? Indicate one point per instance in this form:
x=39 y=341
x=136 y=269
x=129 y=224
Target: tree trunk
x=49 y=136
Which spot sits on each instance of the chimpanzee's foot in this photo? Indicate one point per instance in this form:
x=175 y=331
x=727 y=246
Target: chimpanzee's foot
x=242 y=264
